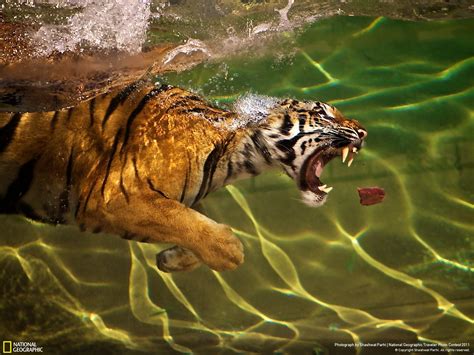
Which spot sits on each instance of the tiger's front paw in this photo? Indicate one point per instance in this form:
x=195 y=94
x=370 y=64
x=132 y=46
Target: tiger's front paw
x=221 y=250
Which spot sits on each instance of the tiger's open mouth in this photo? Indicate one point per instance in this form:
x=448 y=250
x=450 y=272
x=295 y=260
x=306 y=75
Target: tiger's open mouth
x=313 y=167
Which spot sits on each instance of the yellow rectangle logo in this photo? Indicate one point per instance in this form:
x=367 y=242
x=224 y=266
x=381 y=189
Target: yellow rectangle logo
x=7 y=347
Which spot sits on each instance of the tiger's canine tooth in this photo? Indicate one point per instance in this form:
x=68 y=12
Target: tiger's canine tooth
x=328 y=189
x=349 y=163
x=345 y=152
x=325 y=188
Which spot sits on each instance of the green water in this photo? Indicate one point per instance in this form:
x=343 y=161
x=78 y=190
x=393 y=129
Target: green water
x=400 y=271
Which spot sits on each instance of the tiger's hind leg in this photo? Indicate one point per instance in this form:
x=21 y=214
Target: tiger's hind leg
x=177 y=259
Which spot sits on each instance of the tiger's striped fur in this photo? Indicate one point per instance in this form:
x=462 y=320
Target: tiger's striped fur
x=133 y=161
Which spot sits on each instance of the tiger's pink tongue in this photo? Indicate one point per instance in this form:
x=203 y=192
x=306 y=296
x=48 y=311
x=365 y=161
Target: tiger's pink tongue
x=319 y=168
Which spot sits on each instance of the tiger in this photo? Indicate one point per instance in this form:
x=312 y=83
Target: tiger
x=135 y=161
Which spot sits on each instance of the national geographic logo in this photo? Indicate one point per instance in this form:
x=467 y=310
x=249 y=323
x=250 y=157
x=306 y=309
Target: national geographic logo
x=21 y=347
x=7 y=347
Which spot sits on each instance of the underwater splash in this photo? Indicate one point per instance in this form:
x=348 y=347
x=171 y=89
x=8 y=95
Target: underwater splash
x=105 y=24
x=252 y=108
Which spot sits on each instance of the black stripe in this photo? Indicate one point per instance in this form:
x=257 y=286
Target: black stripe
x=134 y=161
x=54 y=120
x=286 y=146
x=18 y=188
x=185 y=100
x=250 y=167
x=152 y=187
x=196 y=110
x=139 y=109
x=194 y=98
x=124 y=191
x=8 y=131
x=64 y=196
x=78 y=206
x=287 y=125
x=11 y=98
x=91 y=112
x=210 y=166
x=261 y=147
x=179 y=103
x=86 y=201
x=111 y=158
x=119 y=99
x=222 y=149
x=69 y=114
x=122 y=186
x=300 y=110
x=69 y=168
x=303 y=147
x=230 y=170
x=302 y=121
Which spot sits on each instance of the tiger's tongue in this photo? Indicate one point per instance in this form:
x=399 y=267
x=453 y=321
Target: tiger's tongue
x=319 y=168
x=313 y=173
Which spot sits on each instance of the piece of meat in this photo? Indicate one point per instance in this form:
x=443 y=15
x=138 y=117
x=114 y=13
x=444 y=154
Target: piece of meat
x=370 y=195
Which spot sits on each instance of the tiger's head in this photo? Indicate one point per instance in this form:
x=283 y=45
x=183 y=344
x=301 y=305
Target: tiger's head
x=303 y=137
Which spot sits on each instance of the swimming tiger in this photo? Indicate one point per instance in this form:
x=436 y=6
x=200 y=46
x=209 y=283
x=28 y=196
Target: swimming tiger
x=134 y=161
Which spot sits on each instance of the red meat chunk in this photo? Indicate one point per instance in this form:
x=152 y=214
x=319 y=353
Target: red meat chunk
x=370 y=195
